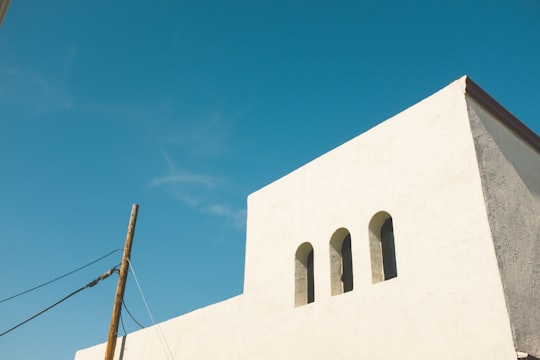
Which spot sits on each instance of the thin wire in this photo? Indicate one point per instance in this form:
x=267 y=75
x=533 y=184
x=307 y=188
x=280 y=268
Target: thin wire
x=90 y=284
x=122 y=323
x=59 y=277
x=131 y=315
x=161 y=336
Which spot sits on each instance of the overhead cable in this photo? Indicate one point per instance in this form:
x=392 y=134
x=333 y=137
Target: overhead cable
x=130 y=315
x=89 y=285
x=122 y=323
x=60 y=277
x=160 y=334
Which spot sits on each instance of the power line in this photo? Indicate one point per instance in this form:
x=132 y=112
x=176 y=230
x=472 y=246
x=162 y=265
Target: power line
x=122 y=323
x=59 y=277
x=89 y=285
x=130 y=315
x=161 y=336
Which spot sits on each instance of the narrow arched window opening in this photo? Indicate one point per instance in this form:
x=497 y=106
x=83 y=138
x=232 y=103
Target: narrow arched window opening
x=346 y=256
x=304 y=275
x=341 y=272
x=310 y=278
x=388 y=250
x=382 y=247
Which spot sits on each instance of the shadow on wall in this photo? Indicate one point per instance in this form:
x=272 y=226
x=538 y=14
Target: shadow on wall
x=382 y=248
x=304 y=275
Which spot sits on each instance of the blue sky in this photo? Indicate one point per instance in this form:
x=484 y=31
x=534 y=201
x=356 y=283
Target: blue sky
x=188 y=107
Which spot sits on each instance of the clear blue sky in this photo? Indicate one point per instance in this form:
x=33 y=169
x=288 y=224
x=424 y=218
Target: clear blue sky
x=186 y=108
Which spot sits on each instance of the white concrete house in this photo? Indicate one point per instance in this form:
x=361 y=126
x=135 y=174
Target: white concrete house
x=418 y=239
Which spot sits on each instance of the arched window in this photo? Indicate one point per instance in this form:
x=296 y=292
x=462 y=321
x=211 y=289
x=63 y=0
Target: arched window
x=341 y=273
x=382 y=248
x=304 y=282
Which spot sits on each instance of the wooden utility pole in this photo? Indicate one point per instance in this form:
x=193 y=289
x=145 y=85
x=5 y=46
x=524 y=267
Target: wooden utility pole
x=124 y=269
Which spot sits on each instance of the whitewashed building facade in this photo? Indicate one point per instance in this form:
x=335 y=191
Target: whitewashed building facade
x=418 y=239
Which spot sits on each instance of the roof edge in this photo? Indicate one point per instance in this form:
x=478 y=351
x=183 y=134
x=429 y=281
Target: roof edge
x=483 y=99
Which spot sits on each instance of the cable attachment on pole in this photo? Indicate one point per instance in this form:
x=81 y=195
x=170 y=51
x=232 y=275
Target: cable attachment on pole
x=102 y=277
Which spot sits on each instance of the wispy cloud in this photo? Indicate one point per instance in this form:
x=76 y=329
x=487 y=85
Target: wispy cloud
x=189 y=188
x=195 y=179
x=179 y=177
x=35 y=90
x=32 y=92
x=204 y=135
x=197 y=190
x=237 y=216
x=189 y=200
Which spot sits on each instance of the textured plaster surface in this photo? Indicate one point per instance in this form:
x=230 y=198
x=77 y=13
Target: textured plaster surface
x=447 y=301
x=510 y=173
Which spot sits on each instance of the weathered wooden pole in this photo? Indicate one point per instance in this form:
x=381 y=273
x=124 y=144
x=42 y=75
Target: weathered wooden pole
x=124 y=269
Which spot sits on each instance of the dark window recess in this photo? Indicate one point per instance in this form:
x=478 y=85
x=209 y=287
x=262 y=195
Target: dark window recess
x=388 y=250
x=346 y=258
x=310 y=278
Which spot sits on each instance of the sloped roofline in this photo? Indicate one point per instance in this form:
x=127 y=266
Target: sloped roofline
x=483 y=99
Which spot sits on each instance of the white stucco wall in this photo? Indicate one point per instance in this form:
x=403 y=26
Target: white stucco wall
x=447 y=301
x=510 y=173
